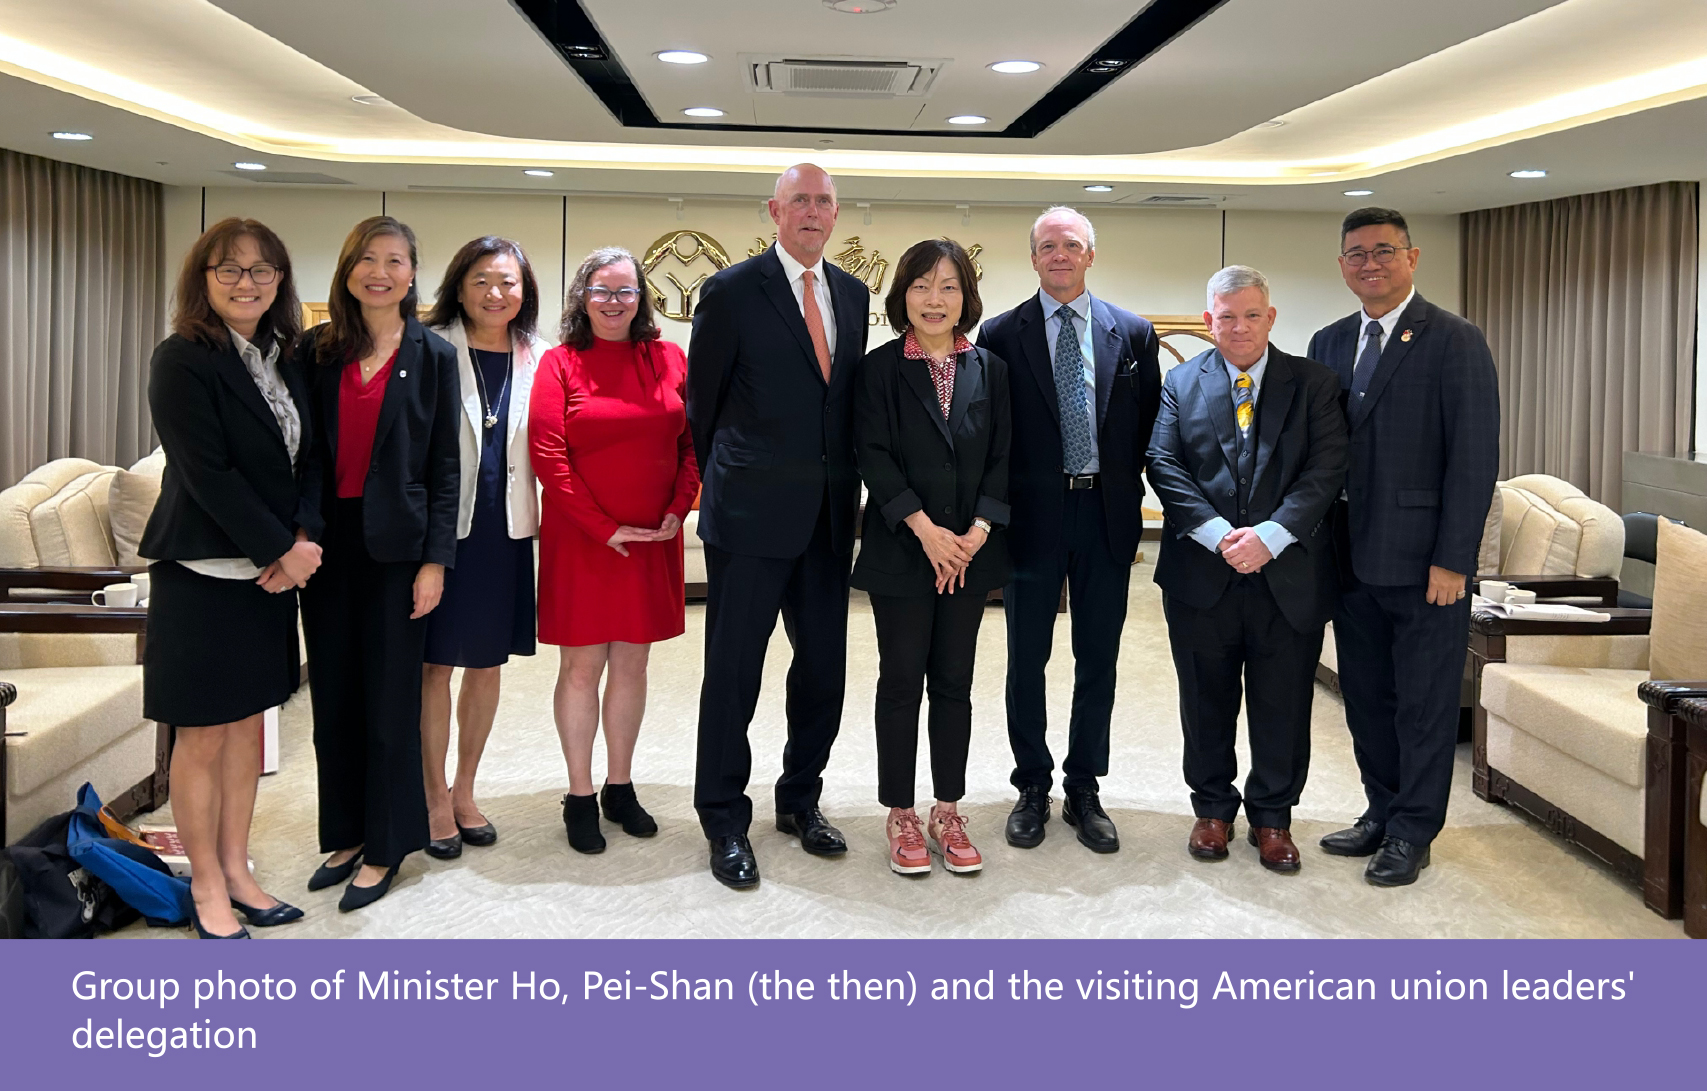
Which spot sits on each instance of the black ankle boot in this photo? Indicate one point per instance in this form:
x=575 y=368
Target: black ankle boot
x=625 y=810
x=581 y=819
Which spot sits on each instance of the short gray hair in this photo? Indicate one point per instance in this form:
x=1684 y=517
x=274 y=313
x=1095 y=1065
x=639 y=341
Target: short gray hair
x=1236 y=278
x=1090 y=228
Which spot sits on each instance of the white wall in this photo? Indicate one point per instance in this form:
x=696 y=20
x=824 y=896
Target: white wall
x=1153 y=261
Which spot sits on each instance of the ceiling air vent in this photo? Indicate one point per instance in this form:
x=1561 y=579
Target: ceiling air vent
x=289 y=178
x=851 y=77
x=1178 y=199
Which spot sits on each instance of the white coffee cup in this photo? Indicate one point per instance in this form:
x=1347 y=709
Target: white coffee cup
x=1517 y=596
x=1494 y=590
x=115 y=594
x=143 y=585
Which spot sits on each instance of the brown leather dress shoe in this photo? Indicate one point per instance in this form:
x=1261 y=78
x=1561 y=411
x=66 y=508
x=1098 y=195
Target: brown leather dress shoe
x=1209 y=839
x=1275 y=848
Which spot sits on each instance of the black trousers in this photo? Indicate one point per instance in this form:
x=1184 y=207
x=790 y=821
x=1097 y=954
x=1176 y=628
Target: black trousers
x=1243 y=646
x=1401 y=666
x=924 y=639
x=1096 y=591
x=364 y=674
x=744 y=594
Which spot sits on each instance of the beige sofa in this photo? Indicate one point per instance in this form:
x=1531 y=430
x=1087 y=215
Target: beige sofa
x=1576 y=722
x=1693 y=713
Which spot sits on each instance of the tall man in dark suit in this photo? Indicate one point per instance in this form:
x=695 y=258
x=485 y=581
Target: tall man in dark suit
x=1248 y=454
x=1423 y=406
x=1084 y=387
x=776 y=341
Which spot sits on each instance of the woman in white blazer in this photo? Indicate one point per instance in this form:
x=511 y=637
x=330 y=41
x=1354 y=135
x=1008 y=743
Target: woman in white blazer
x=487 y=307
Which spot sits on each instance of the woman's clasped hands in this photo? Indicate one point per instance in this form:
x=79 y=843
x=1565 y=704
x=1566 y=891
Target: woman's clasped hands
x=948 y=552
x=666 y=530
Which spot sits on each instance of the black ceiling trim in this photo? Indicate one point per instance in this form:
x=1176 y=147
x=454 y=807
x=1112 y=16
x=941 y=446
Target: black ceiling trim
x=577 y=40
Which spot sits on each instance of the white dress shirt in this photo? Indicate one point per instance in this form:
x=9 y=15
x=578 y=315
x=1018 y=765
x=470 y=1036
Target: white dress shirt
x=797 y=283
x=1081 y=307
x=1388 y=321
x=1273 y=535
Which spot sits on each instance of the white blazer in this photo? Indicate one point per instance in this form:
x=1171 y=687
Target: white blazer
x=521 y=502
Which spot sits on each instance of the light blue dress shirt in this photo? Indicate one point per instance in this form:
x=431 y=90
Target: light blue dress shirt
x=1273 y=535
x=1051 y=330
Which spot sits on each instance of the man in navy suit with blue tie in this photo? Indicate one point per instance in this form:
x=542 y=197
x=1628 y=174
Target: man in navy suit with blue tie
x=1422 y=403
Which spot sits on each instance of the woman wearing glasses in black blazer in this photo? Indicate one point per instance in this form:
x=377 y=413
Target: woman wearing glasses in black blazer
x=386 y=477
x=229 y=538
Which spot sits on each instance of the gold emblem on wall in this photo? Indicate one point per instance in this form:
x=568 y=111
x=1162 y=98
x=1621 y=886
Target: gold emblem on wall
x=686 y=247
x=868 y=267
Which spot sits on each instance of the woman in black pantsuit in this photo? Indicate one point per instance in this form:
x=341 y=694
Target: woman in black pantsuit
x=229 y=537
x=386 y=478
x=931 y=436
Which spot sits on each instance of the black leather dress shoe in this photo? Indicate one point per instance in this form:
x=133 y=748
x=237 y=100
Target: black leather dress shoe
x=1083 y=810
x=326 y=875
x=445 y=848
x=816 y=834
x=282 y=913
x=360 y=897
x=478 y=836
x=203 y=933
x=732 y=861
x=1362 y=839
x=1026 y=820
x=1396 y=864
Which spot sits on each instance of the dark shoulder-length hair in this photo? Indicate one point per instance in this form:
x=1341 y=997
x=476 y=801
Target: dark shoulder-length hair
x=917 y=262
x=447 y=304
x=346 y=336
x=576 y=330
x=193 y=316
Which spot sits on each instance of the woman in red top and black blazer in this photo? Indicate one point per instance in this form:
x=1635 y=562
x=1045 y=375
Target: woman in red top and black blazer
x=386 y=476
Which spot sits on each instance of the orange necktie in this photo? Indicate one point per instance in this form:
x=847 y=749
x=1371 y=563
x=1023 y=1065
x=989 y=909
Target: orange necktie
x=815 y=324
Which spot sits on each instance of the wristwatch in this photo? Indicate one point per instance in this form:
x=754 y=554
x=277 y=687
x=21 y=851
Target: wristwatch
x=982 y=524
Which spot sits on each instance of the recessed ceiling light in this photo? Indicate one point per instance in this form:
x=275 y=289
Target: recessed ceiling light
x=370 y=100
x=703 y=111
x=1015 y=68
x=1529 y=173
x=72 y=136
x=539 y=173
x=250 y=166
x=968 y=119
x=681 y=56
x=1272 y=123
x=1359 y=192
x=859 y=7
x=1099 y=189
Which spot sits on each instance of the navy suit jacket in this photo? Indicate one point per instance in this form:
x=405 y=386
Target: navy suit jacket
x=1425 y=445
x=769 y=433
x=1300 y=466
x=1128 y=388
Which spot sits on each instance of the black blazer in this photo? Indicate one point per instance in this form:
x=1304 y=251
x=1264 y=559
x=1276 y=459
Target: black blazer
x=1129 y=383
x=769 y=433
x=414 y=482
x=229 y=489
x=1300 y=466
x=912 y=459
x=1425 y=446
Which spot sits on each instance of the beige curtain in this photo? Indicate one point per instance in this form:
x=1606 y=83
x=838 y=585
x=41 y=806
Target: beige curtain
x=81 y=299
x=1588 y=303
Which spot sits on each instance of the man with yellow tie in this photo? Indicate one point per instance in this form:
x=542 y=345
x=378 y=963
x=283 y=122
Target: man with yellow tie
x=1248 y=454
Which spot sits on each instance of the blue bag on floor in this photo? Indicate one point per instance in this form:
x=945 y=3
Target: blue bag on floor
x=136 y=874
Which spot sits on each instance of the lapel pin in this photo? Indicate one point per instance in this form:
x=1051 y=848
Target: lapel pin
x=1406 y=336
x=405 y=374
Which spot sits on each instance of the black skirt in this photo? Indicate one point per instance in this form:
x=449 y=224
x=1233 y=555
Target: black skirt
x=217 y=650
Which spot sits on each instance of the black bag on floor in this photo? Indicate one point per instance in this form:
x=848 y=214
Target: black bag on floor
x=62 y=899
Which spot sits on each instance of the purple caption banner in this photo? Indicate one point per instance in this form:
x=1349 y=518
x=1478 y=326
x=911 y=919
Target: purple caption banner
x=835 y=1013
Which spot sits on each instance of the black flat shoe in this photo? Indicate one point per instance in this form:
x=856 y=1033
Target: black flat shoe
x=622 y=807
x=478 y=836
x=733 y=863
x=581 y=821
x=203 y=933
x=1362 y=839
x=360 y=897
x=1083 y=810
x=445 y=848
x=282 y=913
x=1027 y=819
x=326 y=876
x=1397 y=863
x=816 y=834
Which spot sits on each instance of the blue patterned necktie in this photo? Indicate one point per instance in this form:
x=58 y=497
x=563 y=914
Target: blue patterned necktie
x=1366 y=364
x=1070 y=392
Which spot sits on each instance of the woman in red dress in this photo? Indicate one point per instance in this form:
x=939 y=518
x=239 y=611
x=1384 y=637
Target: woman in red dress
x=611 y=448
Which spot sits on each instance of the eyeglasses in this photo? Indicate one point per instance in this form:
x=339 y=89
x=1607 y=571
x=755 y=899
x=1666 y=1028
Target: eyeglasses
x=262 y=274
x=605 y=295
x=1383 y=255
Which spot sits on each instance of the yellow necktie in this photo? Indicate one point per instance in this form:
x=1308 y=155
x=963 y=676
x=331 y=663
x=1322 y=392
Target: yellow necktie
x=1243 y=405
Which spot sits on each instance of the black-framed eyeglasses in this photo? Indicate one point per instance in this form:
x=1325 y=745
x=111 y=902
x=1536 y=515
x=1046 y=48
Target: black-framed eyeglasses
x=261 y=273
x=1383 y=255
x=605 y=295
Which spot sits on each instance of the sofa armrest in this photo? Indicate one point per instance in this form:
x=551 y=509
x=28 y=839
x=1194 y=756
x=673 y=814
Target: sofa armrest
x=1604 y=588
x=1666 y=696
x=54 y=617
x=79 y=580
x=1621 y=622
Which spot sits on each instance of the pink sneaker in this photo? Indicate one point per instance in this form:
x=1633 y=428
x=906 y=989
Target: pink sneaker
x=907 y=852
x=948 y=839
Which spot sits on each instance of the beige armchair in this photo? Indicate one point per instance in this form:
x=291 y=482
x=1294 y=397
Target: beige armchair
x=1693 y=713
x=1576 y=723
